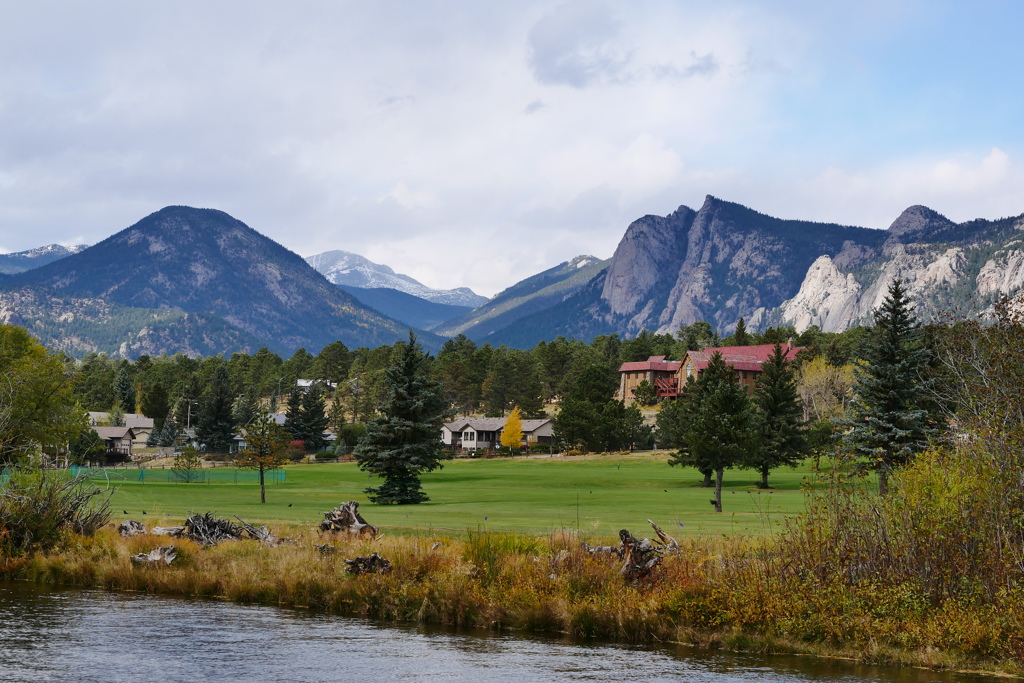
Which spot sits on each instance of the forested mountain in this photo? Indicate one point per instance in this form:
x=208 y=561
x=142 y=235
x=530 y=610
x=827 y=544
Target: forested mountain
x=536 y=293
x=406 y=308
x=205 y=262
x=353 y=270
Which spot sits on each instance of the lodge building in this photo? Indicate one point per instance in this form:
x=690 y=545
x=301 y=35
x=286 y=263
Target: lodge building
x=668 y=376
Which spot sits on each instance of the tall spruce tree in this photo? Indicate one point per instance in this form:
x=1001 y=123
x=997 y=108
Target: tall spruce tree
x=294 y=425
x=780 y=418
x=741 y=337
x=717 y=428
x=889 y=423
x=216 y=427
x=314 y=416
x=124 y=392
x=401 y=441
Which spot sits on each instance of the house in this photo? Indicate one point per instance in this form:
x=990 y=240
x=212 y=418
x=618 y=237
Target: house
x=485 y=432
x=662 y=374
x=118 y=441
x=668 y=376
x=141 y=425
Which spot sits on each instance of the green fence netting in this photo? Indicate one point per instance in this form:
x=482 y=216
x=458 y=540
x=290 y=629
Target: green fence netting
x=219 y=475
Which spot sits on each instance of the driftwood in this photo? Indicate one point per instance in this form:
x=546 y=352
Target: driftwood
x=130 y=527
x=262 y=534
x=374 y=564
x=639 y=555
x=208 y=530
x=172 y=531
x=155 y=557
x=346 y=519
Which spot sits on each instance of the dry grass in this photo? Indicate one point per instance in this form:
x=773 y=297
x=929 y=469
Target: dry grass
x=718 y=592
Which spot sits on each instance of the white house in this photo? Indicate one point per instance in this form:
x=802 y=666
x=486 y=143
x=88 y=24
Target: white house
x=485 y=432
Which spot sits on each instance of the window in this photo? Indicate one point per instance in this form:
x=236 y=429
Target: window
x=688 y=370
x=468 y=436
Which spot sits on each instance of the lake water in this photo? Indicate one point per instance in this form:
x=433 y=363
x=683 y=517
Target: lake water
x=86 y=635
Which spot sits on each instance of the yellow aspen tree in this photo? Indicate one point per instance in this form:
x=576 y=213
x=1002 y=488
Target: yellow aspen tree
x=512 y=434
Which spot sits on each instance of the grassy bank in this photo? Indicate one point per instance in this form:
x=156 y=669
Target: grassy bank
x=731 y=593
x=599 y=495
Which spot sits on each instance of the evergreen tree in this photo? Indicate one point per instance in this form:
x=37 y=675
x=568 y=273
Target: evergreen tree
x=247 y=406
x=155 y=404
x=780 y=416
x=115 y=417
x=402 y=442
x=294 y=424
x=740 y=336
x=889 y=423
x=124 y=392
x=645 y=394
x=188 y=465
x=512 y=434
x=314 y=416
x=216 y=427
x=634 y=432
x=718 y=429
x=168 y=435
x=575 y=424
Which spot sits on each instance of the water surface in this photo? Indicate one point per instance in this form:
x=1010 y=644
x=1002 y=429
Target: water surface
x=86 y=635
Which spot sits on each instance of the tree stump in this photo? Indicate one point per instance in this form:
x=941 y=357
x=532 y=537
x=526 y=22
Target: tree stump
x=374 y=564
x=130 y=527
x=346 y=519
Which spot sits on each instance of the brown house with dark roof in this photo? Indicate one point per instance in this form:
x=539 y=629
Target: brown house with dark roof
x=668 y=376
x=118 y=441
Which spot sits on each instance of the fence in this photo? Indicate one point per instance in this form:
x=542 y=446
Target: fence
x=204 y=476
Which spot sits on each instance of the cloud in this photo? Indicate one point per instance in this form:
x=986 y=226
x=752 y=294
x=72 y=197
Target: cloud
x=574 y=45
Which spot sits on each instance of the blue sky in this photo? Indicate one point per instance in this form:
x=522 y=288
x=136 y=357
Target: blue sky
x=473 y=144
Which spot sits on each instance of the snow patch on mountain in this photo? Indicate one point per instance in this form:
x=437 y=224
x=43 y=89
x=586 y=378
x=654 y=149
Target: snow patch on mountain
x=346 y=268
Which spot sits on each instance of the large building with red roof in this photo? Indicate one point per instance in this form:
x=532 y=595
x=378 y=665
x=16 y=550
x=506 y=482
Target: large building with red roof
x=668 y=376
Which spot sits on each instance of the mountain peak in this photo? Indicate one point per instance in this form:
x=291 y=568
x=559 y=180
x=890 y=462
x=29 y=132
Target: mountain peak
x=353 y=270
x=917 y=219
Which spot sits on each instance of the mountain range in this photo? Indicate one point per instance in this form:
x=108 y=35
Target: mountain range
x=197 y=273
x=20 y=261
x=353 y=270
x=202 y=282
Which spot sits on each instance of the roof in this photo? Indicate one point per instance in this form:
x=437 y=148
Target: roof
x=741 y=357
x=655 y=363
x=492 y=424
x=106 y=433
x=133 y=420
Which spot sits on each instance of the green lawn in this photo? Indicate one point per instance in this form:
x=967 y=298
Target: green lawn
x=601 y=495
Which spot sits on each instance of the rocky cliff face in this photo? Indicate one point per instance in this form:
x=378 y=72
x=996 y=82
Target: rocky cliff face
x=949 y=268
x=726 y=261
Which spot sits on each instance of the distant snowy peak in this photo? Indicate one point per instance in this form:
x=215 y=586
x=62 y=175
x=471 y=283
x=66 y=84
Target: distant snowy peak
x=353 y=270
x=20 y=261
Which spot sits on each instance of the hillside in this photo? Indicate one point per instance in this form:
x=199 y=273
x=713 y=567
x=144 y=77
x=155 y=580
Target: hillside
x=534 y=294
x=203 y=261
x=406 y=308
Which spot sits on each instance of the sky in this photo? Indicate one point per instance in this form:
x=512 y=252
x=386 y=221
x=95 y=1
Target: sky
x=477 y=143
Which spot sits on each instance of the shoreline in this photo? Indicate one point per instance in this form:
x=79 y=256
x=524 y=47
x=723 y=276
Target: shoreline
x=717 y=593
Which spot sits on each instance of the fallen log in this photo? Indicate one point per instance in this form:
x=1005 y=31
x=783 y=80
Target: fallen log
x=172 y=531
x=346 y=519
x=155 y=557
x=670 y=544
x=130 y=527
x=373 y=564
x=639 y=556
x=262 y=534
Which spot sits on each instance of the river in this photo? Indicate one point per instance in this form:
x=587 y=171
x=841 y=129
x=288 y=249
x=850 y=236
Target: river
x=88 y=635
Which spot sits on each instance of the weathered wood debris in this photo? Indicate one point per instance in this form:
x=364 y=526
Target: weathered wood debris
x=155 y=557
x=208 y=530
x=130 y=527
x=639 y=555
x=262 y=534
x=373 y=564
x=172 y=531
x=346 y=519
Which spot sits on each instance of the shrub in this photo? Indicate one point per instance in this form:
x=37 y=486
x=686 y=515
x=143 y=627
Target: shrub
x=37 y=507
